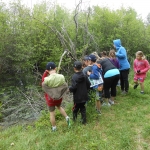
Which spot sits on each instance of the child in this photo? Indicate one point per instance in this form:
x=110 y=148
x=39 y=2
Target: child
x=141 y=66
x=79 y=86
x=103 y=54
x=85 y=70
x=55 y=86
x=88 y=66
x=85 y=62
x=114 y=60
x=96 y=74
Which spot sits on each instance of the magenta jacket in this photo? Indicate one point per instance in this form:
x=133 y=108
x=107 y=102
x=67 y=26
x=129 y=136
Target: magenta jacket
x=142 y=65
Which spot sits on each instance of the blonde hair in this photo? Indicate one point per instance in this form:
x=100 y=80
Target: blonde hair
x=95 y=53
x=140 y=53
x=100 y=58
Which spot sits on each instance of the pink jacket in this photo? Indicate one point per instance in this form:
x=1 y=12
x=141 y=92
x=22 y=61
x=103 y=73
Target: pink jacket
x=142 y=65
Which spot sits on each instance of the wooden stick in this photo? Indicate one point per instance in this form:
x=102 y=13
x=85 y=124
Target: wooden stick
x=61 y=60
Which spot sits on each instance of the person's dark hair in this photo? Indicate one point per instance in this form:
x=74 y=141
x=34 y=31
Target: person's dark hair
x=104 y=53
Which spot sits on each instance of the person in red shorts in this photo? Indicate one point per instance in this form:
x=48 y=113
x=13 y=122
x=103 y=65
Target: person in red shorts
x=54 y=82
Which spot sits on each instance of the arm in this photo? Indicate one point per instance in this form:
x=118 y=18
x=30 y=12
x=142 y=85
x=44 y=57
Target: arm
x=45 y=74
x=87 y=83
x=118 y=65
x=134 y=66
x=84 y=71
x=146 y=67
x=94 y=74
x=73 y=86
x=121 y=53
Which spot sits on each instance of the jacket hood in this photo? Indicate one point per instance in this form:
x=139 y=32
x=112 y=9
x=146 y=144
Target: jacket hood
x=80 y=77
x=117 y=43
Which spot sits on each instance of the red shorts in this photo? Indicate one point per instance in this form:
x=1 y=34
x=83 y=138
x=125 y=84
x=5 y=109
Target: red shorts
x=51 y=102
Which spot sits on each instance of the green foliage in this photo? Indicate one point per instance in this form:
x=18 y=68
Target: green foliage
x=31 y=38
x=43 y=120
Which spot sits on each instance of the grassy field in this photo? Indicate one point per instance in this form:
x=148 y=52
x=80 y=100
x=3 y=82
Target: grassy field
x=123 y=126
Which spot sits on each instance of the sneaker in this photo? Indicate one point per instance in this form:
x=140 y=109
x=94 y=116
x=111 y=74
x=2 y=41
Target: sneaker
x=104 y=104
x=124 y=92
x=135 y=86
x=68 y=121
x=108 y=104
x=142 y=92
x=111 y=102
x=53 y=129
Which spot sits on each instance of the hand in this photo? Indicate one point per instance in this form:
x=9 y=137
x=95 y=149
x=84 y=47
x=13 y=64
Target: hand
x=88 y=73
x=138 y=71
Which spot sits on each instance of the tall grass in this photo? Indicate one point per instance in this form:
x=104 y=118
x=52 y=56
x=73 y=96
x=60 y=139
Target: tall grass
x=123 y=126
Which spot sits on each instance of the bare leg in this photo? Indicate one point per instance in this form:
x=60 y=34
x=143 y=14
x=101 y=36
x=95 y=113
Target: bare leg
x=107 y=102
x=98 y=105
x=142 y=86
x=62 y=111
x=136 y=82
x=111 y=101
x=112 y=98
x=52 y=118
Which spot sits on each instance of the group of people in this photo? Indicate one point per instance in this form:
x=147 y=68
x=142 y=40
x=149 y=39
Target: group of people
x=96 y=74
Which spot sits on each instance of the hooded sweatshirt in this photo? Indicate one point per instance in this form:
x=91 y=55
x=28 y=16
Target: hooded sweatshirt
x=54 y=80
x=121 y=54
x=55 y=86
x=79 y=86
x=49 y=100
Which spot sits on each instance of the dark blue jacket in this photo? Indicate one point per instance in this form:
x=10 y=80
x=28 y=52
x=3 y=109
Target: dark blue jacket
x=80 y=85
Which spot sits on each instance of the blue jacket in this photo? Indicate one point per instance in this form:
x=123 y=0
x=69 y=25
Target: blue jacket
x=96 y=73
x=121 y=54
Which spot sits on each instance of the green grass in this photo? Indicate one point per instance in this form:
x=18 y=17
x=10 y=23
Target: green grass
x=123 y=126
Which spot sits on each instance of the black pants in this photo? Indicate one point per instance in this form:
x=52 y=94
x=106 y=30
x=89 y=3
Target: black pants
x=81 y=107
x=124 y=80
x=110 y=83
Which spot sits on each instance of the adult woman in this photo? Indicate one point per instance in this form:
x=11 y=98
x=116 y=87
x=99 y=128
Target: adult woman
x=121 y=54
x=111 y=76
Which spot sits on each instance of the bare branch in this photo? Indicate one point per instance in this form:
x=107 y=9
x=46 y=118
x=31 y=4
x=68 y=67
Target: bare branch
x=28 y=100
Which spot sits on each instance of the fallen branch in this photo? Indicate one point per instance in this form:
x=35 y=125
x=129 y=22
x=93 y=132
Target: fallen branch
x=61 y=60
